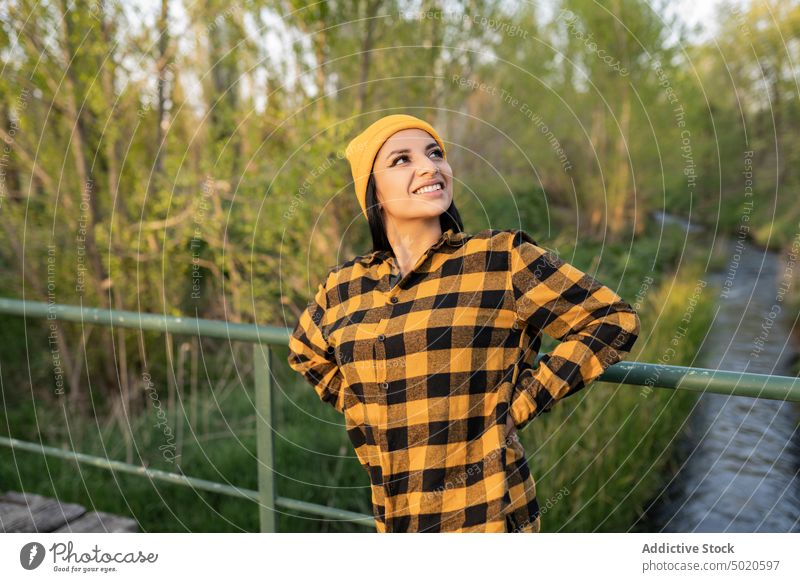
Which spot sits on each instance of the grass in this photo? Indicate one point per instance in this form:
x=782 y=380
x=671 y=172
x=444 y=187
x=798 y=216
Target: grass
x=310 y=446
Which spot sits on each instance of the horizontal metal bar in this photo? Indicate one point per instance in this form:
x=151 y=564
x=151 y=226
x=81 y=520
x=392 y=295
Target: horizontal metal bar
x=194 y=482
x=148 y=321
x=109 y=464
x=626 y=372
x=703 y=380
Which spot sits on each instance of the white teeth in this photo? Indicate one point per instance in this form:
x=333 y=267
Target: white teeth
x=430 y=188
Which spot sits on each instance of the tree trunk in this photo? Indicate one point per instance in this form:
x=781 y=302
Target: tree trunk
x=366 y=54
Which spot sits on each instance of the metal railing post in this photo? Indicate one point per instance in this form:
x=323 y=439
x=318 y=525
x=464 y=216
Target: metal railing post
x=264 y=450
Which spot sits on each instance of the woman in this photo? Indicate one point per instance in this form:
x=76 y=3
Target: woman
x=424 y=343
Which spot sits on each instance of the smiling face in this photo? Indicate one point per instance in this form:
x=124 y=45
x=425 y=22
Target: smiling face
x=412 y=178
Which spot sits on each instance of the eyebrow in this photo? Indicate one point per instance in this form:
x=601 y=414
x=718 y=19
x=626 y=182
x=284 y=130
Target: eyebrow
x=406 y=150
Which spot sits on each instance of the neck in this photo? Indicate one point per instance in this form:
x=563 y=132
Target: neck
x=410 y=239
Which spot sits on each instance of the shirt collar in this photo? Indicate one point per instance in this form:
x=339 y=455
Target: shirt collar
x=452 y=238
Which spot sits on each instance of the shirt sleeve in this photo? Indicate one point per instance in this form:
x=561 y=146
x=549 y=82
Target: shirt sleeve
x=594 y=326
x=311 y=355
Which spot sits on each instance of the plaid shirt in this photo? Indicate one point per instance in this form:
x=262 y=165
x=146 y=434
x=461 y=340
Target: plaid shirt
x=426 y=367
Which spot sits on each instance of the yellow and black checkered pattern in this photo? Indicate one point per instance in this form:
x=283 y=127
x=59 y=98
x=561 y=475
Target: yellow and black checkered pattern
x=426 y=367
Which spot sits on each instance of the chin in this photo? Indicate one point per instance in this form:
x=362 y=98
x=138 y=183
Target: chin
x=430 y=210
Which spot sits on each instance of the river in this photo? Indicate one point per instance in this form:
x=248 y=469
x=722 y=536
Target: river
x=737 y=459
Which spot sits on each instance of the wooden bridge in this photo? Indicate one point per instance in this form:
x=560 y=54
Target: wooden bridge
x=31 y=513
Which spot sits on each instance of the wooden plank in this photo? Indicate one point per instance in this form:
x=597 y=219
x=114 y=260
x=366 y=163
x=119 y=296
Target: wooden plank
x=28 y=512
x=100 y=522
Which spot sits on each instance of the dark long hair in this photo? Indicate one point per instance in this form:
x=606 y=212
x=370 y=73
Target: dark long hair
x=450 y=218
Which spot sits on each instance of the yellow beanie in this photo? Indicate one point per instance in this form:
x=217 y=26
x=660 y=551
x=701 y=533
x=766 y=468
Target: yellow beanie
x=361 y=151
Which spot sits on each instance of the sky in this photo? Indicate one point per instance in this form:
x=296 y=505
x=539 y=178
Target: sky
x=696 y=12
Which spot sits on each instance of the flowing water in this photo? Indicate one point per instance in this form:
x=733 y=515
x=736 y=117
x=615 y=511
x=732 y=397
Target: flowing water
x=738 y=457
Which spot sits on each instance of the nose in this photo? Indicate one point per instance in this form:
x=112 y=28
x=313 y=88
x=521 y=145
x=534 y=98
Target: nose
x=427 y=166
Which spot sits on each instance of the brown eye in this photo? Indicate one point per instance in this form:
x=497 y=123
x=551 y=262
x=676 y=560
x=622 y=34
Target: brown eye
x=394 y=162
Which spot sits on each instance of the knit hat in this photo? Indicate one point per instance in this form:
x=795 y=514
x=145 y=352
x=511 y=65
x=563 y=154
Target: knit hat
x=361 y=151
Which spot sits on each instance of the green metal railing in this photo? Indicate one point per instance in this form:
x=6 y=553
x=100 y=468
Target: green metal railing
x=262 y=337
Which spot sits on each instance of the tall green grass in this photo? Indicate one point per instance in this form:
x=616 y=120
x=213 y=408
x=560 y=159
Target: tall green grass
x=315 y=461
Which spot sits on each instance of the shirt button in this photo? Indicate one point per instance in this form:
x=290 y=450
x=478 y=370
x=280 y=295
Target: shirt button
x=393 y=299
x=385 y=385
x=381 y=337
